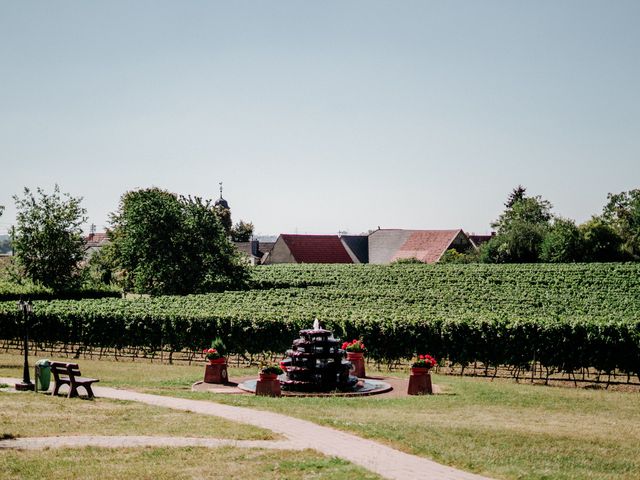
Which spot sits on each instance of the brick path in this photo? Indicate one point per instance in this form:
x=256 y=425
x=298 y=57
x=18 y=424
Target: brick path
x=385 y=461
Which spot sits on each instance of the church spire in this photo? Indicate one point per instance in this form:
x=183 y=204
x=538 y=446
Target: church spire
x=221 y=202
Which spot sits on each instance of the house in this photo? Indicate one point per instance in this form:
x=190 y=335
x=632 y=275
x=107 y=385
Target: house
x=290 y=248
x=254 y=251
x=357 y=247
x=94 y=242
x=479 y=239
x=389 y=245
x=382 y=246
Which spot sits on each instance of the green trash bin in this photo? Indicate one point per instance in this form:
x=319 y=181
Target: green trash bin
x=43 y=375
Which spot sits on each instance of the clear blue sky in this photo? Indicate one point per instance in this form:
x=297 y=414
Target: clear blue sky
x=323 y=116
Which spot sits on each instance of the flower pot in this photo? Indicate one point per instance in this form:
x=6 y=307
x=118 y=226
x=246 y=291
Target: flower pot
x=357 y=363
x=216 y=371
x=420 y=382
x=419 y=370
x=268 y=385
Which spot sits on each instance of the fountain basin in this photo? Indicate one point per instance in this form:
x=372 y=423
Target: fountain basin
x=363 y=387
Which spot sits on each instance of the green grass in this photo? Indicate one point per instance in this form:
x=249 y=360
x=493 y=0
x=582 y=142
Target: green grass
x=175 y=463
x=501 y=429
x=30 y=415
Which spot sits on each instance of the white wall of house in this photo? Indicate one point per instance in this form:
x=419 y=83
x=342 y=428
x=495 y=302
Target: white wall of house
x=280 y=253
x=383 y=244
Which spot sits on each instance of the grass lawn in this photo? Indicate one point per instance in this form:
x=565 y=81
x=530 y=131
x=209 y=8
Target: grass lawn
x=500 y=429
x=175 y=463
x=34 y=415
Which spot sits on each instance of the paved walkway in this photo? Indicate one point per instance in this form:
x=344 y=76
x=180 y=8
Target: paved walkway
x=385 y=461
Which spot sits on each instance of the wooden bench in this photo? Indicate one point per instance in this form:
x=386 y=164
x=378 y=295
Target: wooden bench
x=69 y=374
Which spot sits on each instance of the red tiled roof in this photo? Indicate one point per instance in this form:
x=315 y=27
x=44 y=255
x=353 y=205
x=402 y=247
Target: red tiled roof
x=316 y=248
x=96 y=239
x=479 y=239
x=426 y=245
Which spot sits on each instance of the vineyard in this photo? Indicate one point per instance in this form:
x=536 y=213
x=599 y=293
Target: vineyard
x=563 y=317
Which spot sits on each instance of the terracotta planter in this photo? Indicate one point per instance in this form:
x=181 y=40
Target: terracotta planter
x=357 y=362
x=419 y=370
x=420 y=382
x=216 y=371
x=268 y=385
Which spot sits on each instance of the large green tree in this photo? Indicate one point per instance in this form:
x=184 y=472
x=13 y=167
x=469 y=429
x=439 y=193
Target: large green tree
x=522 y=209
x=601 y=243
x=521 y=229
x=165 y=244
x=242 y=231
x=563 y=243
x=48 y=239
x=622 y=211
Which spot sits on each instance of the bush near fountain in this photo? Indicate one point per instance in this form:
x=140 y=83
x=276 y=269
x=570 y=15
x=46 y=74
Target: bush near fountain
x=268 y=384
x=420 y=378
x=216 y=370
x=355 y=354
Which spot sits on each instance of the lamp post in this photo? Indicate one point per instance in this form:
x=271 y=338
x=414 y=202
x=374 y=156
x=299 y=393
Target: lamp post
x=26 y=308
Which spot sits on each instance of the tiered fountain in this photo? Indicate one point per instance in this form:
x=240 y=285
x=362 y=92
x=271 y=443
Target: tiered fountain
x=315 y=363
x=314 y=366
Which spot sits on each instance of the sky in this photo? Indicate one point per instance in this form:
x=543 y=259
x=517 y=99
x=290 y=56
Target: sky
x=321 y=117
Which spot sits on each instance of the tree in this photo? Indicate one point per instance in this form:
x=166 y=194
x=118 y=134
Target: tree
x=516 y=195
x=48 y=240
x=563 y=243
x=224 y=214
x=242 y=231
x=165 y=244
x=454 y=256
x=532 y=210
x=521 y=229
x=622 y=212
x=601 y=242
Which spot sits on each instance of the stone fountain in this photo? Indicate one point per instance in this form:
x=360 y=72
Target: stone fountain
x=315 y=363
x=315 y=366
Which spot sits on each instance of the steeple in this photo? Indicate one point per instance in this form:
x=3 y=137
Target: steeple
x=221 y=202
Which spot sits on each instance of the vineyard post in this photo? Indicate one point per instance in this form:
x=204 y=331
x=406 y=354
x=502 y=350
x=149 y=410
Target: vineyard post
x=533 y=365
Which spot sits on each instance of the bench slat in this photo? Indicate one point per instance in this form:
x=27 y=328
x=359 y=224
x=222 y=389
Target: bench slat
x=80 y=379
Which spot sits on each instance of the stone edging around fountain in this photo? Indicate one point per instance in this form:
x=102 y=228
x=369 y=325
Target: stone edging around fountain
x=375 y=387
x=368 y=387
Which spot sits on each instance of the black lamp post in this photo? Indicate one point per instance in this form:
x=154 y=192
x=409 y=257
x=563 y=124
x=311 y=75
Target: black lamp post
x=26 y=308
